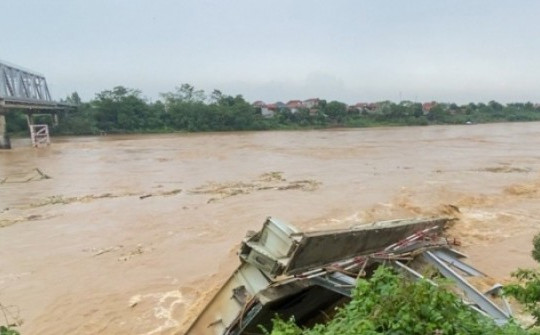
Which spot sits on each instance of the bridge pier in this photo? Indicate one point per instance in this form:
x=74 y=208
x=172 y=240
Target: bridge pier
x=5 y=143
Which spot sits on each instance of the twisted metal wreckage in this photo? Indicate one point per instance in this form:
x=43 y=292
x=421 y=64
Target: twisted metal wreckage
x=288 y=272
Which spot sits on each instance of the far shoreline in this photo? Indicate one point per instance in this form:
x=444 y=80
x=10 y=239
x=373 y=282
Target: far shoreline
x=135 y=135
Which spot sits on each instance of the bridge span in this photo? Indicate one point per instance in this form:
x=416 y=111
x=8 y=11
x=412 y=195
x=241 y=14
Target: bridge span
x=26 y=90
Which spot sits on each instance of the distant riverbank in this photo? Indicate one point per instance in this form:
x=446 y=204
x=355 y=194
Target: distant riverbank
x=293 y=127
x=124 y=111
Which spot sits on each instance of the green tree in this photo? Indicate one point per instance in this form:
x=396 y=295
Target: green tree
x=16 y=122
x=185 y=93
x=527 y=288
x=120 y=109
x=437 y=113
x=336 y=111
x=416 y=110
x=387 y=303
x=74 y=99
x=78 y=121
x=8 y=331
x=494 y=105
x=215 y=96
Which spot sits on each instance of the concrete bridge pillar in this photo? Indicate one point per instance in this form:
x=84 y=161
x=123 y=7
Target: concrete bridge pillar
x=4 y=138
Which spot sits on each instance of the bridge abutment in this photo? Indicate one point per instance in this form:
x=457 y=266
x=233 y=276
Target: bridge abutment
x=5 y=143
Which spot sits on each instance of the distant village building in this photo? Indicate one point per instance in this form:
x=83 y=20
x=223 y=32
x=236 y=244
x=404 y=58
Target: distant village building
x=352 y=109
x=295 y=105
x=312 y=103
x=267 y=110
x=313 y=112
x=406 y=103
x=258 y=104
x=280 y=105
x=427 y=106
x=364 y=107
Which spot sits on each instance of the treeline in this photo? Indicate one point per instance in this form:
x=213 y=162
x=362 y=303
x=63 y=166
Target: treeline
x=124 y=110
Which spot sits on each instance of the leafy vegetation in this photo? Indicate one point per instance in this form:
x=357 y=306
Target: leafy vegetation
x=124 y=110
x=10 y=320
x=389 y=304
x=8 y=331
x=527 y=288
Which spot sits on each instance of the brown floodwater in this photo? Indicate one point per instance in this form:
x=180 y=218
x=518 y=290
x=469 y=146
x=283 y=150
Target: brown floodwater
x=133 y=234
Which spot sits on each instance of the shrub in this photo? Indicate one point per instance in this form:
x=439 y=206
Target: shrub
x=387 y=303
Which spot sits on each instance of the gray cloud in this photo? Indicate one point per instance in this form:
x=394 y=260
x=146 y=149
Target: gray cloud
x=347 y=50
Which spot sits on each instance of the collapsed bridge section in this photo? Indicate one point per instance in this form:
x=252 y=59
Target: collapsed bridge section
x=287 y=272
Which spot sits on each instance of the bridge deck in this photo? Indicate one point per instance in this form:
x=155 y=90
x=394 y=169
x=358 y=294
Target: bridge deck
x=6 y=104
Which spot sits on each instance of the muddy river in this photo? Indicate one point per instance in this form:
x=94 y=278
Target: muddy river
x=132 y=234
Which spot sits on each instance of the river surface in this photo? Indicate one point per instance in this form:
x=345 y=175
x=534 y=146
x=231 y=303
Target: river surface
x=133 y=234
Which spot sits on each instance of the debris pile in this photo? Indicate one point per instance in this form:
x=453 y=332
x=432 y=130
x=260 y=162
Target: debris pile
x=289 y=273
x=267 y=181
x=24 y=177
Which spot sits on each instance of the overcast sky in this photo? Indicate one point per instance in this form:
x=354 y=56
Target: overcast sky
x=348 y=50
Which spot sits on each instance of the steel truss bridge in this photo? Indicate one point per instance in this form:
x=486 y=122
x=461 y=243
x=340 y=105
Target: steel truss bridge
x=22 y=89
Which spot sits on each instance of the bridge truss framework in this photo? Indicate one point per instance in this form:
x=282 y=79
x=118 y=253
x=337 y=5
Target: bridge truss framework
x=22 y=89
